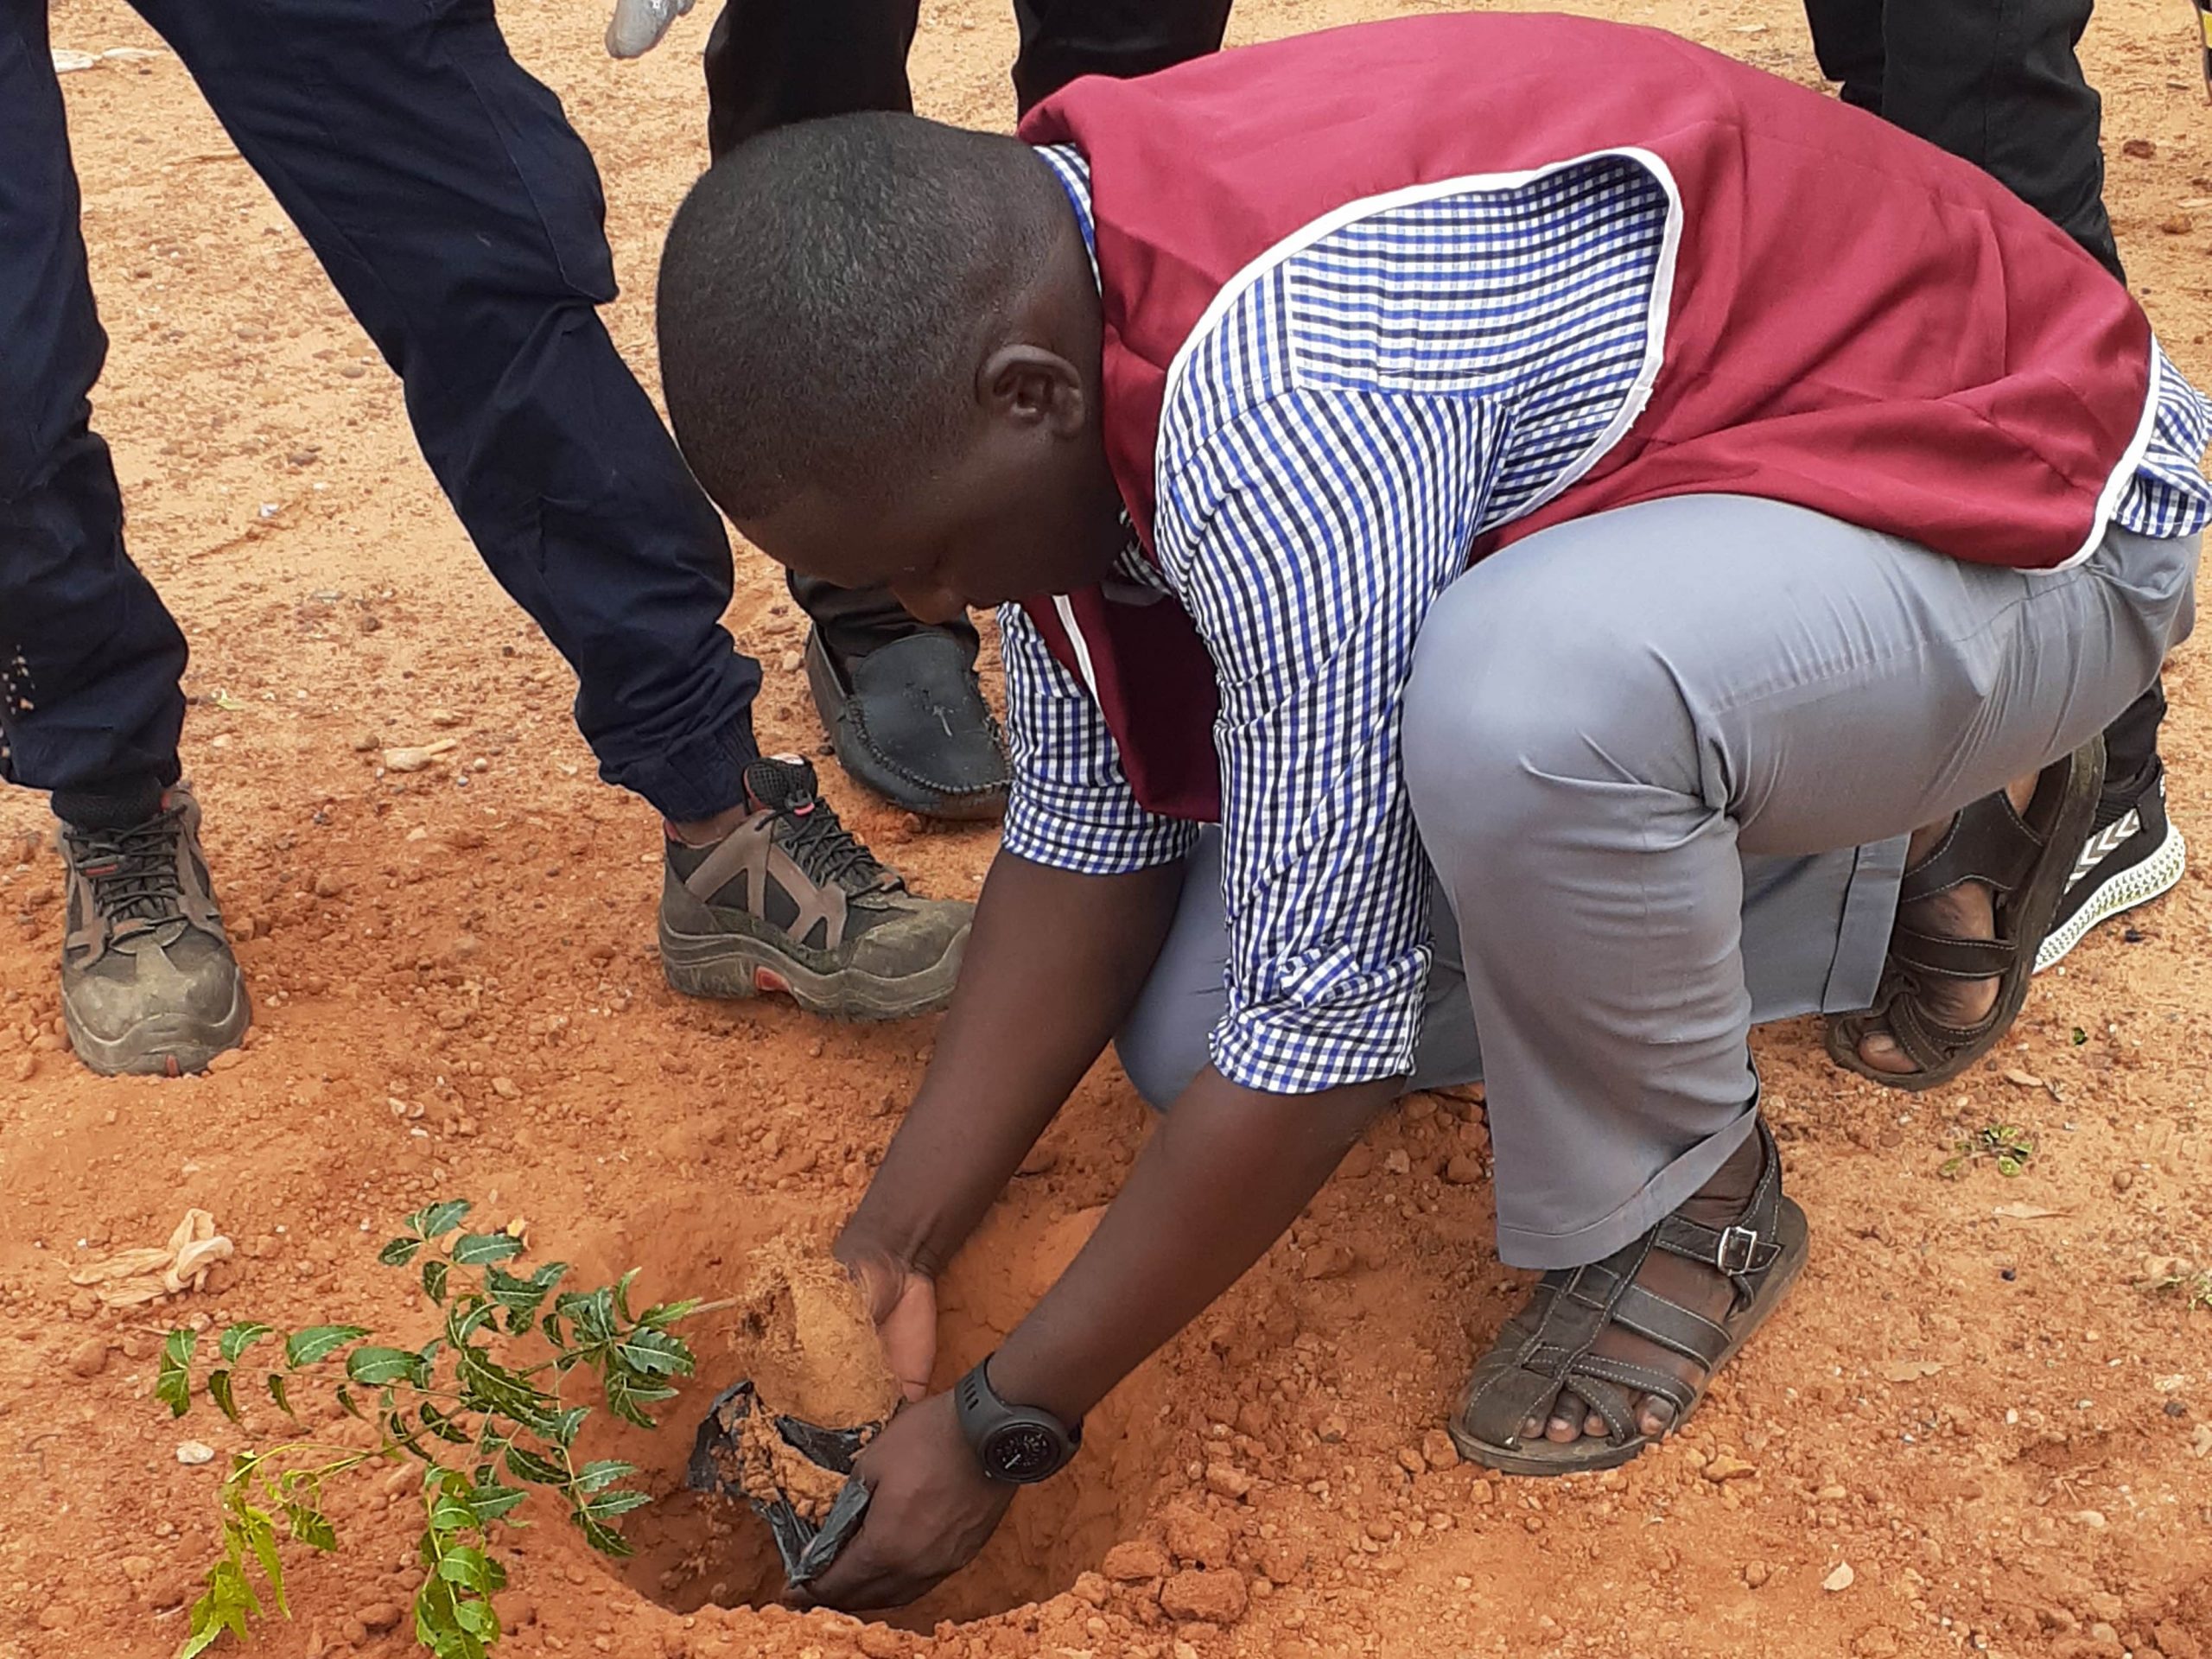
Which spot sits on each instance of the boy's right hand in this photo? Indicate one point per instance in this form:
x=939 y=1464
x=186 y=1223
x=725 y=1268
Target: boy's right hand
x=902 y=1301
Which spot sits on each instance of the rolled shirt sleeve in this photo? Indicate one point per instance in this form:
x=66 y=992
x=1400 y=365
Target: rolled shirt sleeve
x=1308 y=541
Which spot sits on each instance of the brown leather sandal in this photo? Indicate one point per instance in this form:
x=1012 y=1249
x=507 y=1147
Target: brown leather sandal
x=2025 y=859
x=1545 y=1350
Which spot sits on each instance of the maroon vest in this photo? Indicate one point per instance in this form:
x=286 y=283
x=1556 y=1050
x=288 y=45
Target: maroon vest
x=1854 y=321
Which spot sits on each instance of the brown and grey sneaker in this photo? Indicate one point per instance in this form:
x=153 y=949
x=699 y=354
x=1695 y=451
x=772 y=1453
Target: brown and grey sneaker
x=148 y=983
x=791 y=901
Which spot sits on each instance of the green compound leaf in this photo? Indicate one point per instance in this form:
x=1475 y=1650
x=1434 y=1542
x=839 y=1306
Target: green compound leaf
x=434 y=1275
x=310 y=1526
x=608 y=1505
x=218 y=1390
x=399 y=1252
x=653 y=1353
x=436 y=1220
x=372 y=1368
x=236 y=1338
x=627 y=1398
x=491 y=1499
x=319 y=1342
x=479 y=1249
x=466 y=1566
x=446 y=1428
x=602 y=1537
x=528 y=1466
x=594 y=1476
x=172 y=1382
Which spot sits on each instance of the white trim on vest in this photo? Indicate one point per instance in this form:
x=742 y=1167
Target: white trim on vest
x=1655 y=346
x=1639 y=394
x=1080 y=645
x=2123 y=476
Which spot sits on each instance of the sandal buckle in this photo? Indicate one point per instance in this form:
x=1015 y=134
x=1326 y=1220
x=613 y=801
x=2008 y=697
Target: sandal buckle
x=1739 y=1249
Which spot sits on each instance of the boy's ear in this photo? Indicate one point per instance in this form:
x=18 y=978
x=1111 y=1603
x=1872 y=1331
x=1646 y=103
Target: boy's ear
x=1031 y=385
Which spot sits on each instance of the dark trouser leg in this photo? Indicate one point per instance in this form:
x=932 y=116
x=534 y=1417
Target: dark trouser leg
x=1847 y=40
x=1064 y=39
x=771 y=62
x=1997 y=82
x=460 y=218
x=89 y=659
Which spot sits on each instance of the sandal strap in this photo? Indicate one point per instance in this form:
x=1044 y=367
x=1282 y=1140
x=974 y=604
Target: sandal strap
x=1608 y=1400
x=1987 y=842
x=1925 y=1041
x=1640 y=1379
x=1942 y=956
x=1545 y=1349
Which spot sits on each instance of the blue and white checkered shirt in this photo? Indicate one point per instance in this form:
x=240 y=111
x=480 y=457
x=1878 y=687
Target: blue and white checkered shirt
x=1355 y=419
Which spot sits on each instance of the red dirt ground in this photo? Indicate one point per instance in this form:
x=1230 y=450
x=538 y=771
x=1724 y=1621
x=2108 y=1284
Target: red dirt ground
x=1981 y=1413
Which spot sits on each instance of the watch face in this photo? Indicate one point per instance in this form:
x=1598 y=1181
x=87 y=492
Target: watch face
x=1023 y=1452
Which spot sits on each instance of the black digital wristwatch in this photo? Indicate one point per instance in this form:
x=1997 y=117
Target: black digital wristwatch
x=1019 y=1444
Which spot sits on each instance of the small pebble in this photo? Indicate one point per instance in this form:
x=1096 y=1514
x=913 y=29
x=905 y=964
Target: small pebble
x=2122 y=1180
x=88 y=1358
x=1462 y=1171
x=1227 y=1481
x=1841 y=1579
x=1756 y=1573
x=191 y=1452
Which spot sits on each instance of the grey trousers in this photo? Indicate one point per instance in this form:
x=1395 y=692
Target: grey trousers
x=1663 y=761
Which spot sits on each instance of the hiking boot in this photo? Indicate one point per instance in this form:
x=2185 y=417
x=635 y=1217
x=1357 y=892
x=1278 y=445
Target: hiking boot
x=148 y=983
x=791 y=901
x=2134 y=855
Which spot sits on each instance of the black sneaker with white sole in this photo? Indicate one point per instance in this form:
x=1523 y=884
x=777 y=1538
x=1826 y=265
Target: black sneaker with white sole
x=2134 y=855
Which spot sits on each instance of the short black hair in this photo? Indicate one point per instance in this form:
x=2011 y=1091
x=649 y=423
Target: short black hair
x=823 y=292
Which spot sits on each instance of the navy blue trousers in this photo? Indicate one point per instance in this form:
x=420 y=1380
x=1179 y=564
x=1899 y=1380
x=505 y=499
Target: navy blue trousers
x=460 y=218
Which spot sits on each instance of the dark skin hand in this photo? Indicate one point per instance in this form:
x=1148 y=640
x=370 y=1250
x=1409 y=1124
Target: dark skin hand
x=1053 y=966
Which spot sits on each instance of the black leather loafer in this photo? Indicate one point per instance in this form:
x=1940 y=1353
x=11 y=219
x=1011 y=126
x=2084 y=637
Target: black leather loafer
x=908 y=720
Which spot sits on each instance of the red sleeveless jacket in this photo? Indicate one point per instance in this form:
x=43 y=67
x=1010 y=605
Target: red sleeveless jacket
x=1852 y=319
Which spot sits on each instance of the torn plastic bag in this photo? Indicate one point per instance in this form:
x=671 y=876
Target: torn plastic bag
x=718 y=1459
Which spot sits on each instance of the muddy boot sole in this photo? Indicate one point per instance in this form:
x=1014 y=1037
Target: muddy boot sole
x=162 y=1045
x=734 y=966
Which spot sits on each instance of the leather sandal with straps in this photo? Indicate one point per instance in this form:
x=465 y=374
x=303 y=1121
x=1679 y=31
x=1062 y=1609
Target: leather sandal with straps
x=1545 y=1348
x=2025 y=859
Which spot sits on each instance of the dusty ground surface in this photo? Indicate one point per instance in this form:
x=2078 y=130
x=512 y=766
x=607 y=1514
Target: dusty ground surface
x=1970 y=1401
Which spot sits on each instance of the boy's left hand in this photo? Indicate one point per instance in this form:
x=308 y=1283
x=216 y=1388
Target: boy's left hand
x=931 y=1507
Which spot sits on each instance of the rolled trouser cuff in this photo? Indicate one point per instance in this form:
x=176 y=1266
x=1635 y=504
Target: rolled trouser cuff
x=696 y=779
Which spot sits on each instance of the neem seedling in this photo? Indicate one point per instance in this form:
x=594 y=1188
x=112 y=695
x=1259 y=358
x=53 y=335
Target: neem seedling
x=471 y=1405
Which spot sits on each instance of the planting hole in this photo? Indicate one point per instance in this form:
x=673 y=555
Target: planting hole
x=694 y=1550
